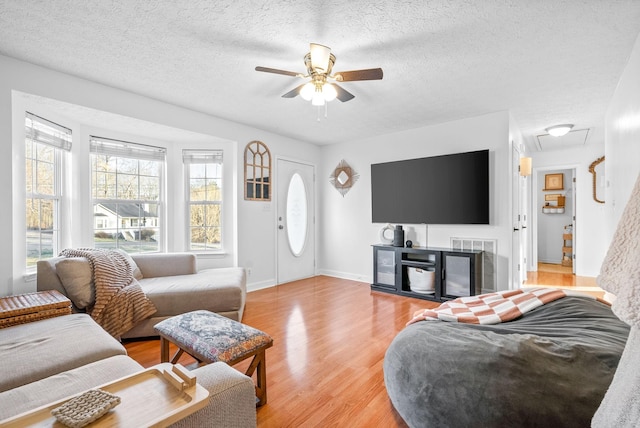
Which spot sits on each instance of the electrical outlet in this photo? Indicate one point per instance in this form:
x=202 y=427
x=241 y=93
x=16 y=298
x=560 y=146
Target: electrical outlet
x=248 y=271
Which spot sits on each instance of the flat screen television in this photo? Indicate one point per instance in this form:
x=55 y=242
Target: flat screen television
x=448 y=189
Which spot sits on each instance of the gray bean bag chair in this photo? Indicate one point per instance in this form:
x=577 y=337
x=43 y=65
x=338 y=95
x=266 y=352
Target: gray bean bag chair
x=620 y=275
x=548 y=368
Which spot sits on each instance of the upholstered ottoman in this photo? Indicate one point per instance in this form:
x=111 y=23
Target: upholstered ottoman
x=210 y=337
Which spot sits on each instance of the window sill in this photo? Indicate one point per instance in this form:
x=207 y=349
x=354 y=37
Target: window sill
x=211 y=255
x=29 y=277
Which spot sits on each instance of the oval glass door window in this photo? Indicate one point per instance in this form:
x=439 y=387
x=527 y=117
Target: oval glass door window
x=296 y=214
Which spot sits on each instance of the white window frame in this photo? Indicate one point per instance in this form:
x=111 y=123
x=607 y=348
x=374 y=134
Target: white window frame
x=203 y=156
x=136 y=151
x=41 y=131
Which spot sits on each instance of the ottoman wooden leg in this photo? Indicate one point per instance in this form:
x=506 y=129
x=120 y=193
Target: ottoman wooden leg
x=260 y=363
x=164 y=350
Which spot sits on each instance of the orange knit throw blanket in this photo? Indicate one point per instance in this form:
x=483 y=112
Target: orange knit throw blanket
x=120 y=302
x=494 y=308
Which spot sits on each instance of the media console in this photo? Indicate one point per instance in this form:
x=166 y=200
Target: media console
x=456 y=273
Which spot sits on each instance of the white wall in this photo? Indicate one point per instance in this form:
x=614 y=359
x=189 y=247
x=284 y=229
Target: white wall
x=622 y=134
x=255 y=226
x=347 y=230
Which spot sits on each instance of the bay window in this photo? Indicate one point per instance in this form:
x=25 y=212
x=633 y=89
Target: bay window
x=126 y=189
x=203 y=178
x=45 y=145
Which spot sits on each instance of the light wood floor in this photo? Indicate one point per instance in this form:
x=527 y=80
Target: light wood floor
x=550 y=275
x=554 y=268
x=325 y=366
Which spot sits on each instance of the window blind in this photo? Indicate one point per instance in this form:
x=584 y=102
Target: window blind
x=202 y=156
x=44 y=131
x=107 y=146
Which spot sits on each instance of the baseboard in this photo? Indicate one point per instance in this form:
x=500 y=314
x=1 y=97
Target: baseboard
x=254 y=286
x=346 y=275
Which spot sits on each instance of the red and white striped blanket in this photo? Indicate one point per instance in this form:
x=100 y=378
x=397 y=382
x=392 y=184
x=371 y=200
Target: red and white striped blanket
x=494 y=308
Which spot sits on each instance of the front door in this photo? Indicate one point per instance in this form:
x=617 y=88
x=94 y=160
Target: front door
x=295 y=221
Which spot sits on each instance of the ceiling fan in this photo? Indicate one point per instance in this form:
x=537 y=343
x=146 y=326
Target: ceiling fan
x=319 y=62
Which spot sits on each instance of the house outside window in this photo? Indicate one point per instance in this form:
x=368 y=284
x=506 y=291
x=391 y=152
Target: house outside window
x=45 y=145
x=126 y=187
x=204 y=194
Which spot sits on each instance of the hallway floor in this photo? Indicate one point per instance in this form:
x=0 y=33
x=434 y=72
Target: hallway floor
x=551 y=275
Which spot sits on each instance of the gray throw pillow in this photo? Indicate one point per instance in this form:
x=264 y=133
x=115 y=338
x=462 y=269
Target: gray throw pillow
x=76 y=276
x=137 y=273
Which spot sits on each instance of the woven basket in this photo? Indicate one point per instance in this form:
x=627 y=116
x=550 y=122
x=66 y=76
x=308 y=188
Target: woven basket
x=24 y=308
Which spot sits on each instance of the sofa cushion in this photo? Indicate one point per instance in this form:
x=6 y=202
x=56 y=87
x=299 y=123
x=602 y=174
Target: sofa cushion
x=40 y=349
x=153 y=265
x=39 y=393
x=77 y=279
x=215 y=290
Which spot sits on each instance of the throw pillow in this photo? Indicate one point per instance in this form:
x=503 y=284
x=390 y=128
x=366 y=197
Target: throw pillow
x=76 y=276
x=137 y=273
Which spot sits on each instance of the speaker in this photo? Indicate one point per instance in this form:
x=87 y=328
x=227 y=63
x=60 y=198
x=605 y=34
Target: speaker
x=398 y=236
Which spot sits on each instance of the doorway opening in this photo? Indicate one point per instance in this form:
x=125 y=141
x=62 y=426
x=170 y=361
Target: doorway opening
x=554 y=215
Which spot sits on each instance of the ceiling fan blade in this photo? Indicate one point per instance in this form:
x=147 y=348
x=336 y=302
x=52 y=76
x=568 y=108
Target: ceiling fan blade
x=343 y=95
x=276 y=71
x=294 y=92
x=368 y=74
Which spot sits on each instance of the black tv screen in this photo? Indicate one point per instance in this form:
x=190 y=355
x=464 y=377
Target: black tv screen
x=448 y=189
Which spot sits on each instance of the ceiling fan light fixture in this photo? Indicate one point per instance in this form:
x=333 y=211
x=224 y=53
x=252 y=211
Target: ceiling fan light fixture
x=320 y=55
x=319 y=62
x=307 y=91
x=318 y=99
x=559 y=130
x=329 y=92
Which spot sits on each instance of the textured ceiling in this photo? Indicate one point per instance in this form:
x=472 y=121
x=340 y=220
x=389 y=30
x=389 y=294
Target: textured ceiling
x=547 y=61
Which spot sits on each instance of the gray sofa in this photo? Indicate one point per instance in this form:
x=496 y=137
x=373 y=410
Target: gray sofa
x=47 y=360
x=170 y=280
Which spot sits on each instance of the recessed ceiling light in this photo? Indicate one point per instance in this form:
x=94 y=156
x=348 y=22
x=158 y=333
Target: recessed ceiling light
x=559 y=130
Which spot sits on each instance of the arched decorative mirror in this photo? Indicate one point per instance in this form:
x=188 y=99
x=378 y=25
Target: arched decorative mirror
x=596 y=168
x=257 y=172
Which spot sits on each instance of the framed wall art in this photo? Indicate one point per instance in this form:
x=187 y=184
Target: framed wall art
x=554 y=182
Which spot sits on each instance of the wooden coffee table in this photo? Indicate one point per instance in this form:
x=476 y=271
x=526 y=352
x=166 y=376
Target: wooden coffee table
x=155 y=397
